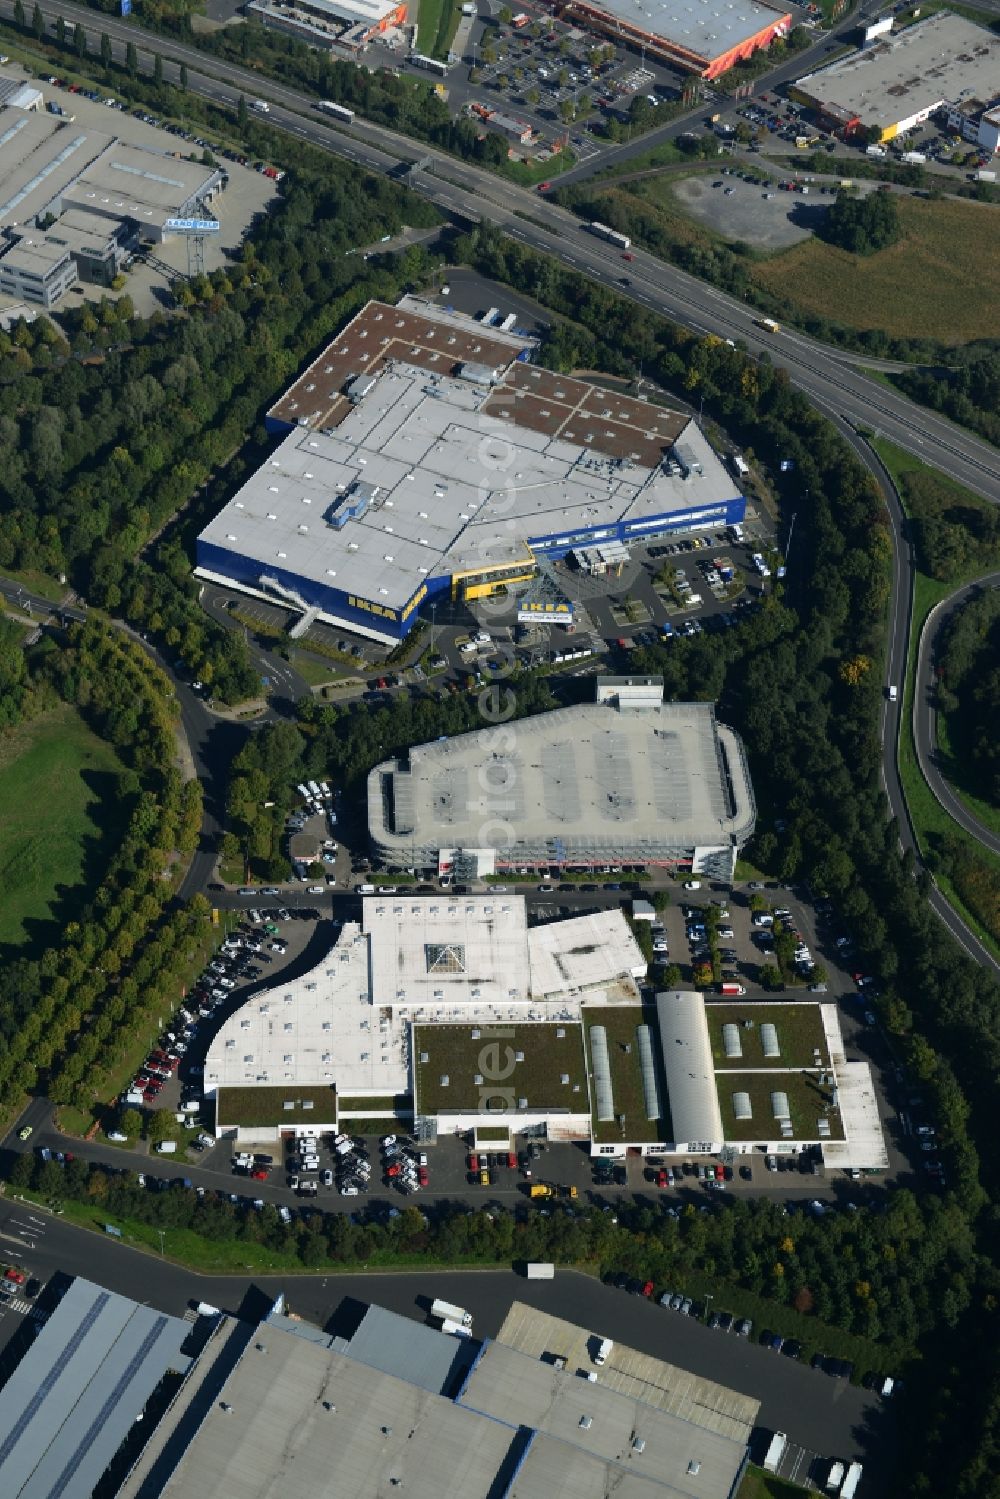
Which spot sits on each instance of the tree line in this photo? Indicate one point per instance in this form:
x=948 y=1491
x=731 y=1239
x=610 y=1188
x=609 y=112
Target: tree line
x=867 y=1285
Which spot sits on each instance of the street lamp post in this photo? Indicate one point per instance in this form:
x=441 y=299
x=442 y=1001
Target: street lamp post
x=161 y=1233
x=708 y=1297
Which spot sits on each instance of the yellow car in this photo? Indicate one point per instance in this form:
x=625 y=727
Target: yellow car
x=484 y=1176
x=23 y=1134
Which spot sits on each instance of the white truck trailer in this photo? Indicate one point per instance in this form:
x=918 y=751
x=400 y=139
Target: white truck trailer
x=448 y=1312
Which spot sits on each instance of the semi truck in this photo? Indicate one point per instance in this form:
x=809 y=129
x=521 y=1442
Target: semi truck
x=448 y=1312
x=768 y=324
x=604 y=232
x=339 y=111
x=540 y=1270
x=775 y=1452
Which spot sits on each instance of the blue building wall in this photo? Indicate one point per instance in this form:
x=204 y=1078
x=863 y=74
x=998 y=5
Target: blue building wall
x=336 y=601
x=727 y=512
x=345 y=605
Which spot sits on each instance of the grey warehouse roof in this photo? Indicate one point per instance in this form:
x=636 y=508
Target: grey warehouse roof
x=420 y=1355
x=945 y=59
x=589 y=776
x=510 y=1386
x=75 y=1395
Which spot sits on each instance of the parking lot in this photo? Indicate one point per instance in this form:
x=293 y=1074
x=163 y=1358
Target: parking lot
x=558 y=78
x=745 y=206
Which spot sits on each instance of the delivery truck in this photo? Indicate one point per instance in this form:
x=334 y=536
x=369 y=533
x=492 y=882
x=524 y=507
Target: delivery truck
x=448 y=1312
x=539 y=1189
x=457 y=1329
x=540 y=1270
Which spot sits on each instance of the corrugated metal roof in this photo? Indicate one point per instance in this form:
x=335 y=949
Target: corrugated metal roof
x=75 y=1395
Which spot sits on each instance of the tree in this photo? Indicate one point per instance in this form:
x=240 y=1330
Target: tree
x=106 y=51
x=22 y=1170
x=79 y=40
x=130 y=1123
x=60 y=31
x=19 y=15
x=161 y=1126
x=183 y=76
x=242 y=113
x=131 y=60
x=38 y=23
x=505 y=15
x=158 y=69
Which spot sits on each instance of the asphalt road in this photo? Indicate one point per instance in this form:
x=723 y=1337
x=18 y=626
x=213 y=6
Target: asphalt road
x=925 y=712
x=824 y=1415
x=900 y=623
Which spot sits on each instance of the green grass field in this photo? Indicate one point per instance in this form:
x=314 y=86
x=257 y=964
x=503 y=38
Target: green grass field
x=940 y=280
x=58 y=813
x=436 y=27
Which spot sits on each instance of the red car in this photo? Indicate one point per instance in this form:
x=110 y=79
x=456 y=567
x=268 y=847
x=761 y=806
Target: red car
x=422 y=1176
x=393 y=1171
x=647 y=1289
x=473 y=1162
x=17 y=1276
x=720 y=1171
x=260 y=1175
x=512 y=1160
x=662 y=1179
x=628 y=255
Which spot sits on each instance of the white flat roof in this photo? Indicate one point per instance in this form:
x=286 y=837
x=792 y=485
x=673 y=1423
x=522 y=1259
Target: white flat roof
x=590 y=951
x=945 y=59
x=587 y=777
x=706 y=27
x=346 y=1022
x=448 y=949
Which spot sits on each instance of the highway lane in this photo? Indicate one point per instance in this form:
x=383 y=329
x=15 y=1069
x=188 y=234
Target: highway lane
x=472 y=192
x=925 y=712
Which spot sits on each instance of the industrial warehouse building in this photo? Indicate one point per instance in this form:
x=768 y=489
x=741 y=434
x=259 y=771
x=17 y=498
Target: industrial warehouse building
x=424 y=457
x=80 y=1389
x=628 y=779
x=105 y=197
x=944 y=63
x=392 y=1405
x=703 y=37
x=452 y=1008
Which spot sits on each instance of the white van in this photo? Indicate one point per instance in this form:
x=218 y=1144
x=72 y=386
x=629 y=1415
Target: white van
x=166 y=1147
x=364 y=889
x=604 y=1349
